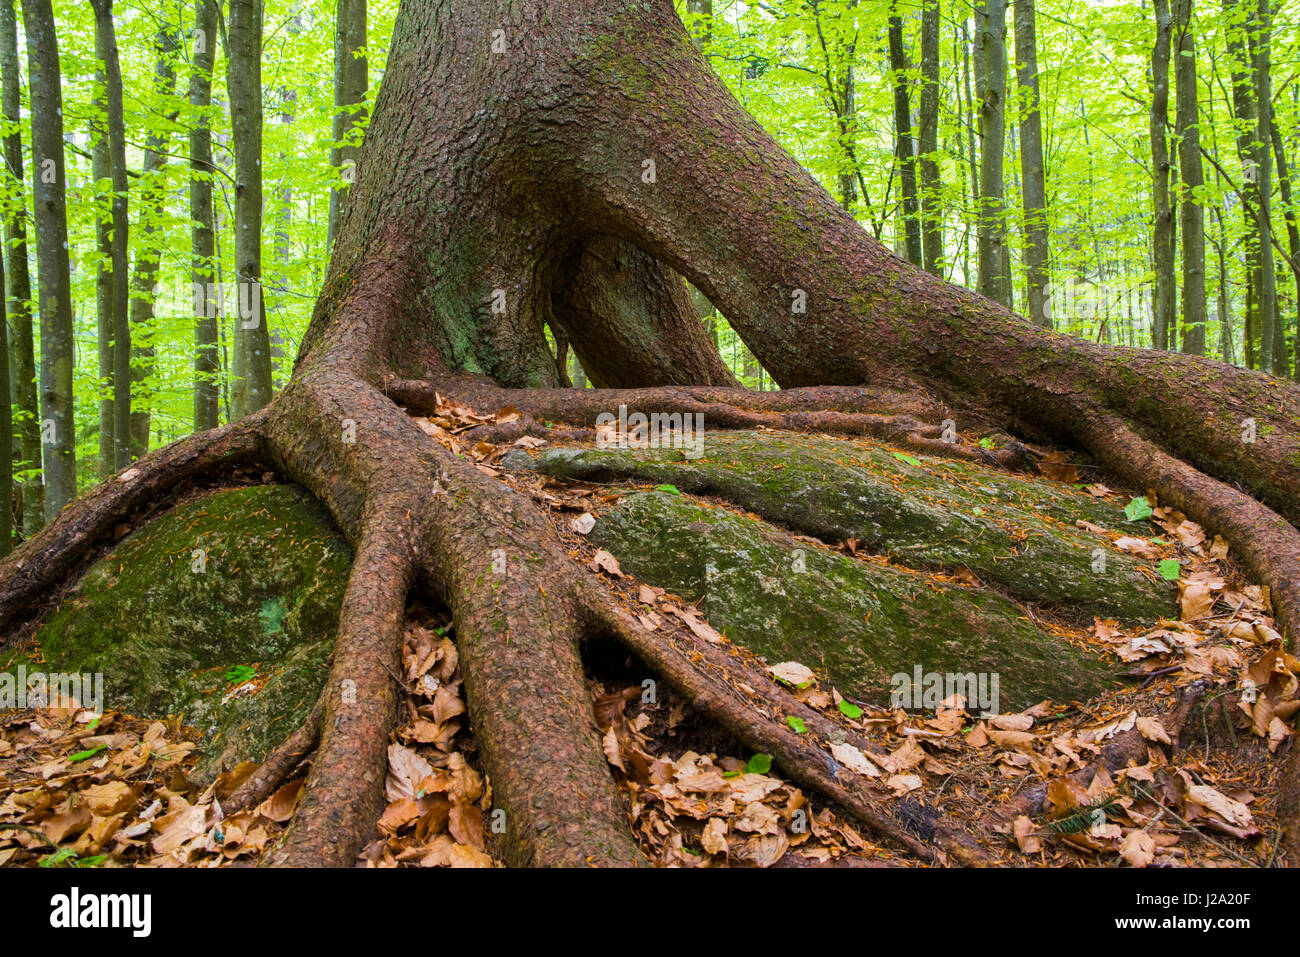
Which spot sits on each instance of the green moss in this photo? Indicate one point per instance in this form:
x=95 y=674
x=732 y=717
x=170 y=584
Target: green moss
x=1013 y=532
x=251 y=577
x=859 y=622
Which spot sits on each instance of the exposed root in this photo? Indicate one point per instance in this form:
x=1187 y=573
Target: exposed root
x=279 y=765
x=43 y=560
x=1268 y=544
x=726 y=408
x=343 y=796
x=756 y=714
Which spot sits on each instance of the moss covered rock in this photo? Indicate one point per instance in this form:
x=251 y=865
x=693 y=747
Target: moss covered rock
x=223 y=610
x=1013 y=532
x=861 y=622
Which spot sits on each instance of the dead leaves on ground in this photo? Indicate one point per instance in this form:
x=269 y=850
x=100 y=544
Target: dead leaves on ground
x=436 y=798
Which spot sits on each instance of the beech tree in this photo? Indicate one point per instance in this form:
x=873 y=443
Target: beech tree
x=54 y=295
x=18 y=291
x=564 y=164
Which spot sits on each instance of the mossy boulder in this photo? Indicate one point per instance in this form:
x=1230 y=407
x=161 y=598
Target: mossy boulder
x=1015 y=533
x=858 y=621
x=223 y=611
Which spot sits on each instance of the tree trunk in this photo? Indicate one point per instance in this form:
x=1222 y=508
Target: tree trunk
x=58 y=433
x=904 y=146
x=467 y=224
x=1162 y=230
x=21 y=341
x=351 y=81
x=253 y=387
x=207 y=361
x=1187 y=126
x=6 y=446
x=152 y=205
x=101 y=171
x=118 y=278
x=1272 y=345
x=931 y=182
x=991 y=53
x=1292 y=224
x=1031 y=166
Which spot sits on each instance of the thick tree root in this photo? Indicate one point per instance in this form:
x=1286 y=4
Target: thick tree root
x=279 y=765
x=752 y=707
x=42 y=561
x=1268 y=544
x=729 y=408
x=343 y=796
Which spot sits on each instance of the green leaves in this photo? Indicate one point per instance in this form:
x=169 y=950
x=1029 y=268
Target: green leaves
x=83 y=755
x=239 y=674
x=1171 y=569
x=670 y=489
x=759 y=764
x=797 y=724
x=1137 y=509
x=849 y=709
x=909 y=459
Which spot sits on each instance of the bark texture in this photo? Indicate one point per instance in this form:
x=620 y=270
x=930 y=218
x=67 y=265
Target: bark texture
x=564 y=163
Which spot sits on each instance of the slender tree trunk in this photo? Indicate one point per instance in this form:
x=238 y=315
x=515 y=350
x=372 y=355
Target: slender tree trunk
x=58 y=433
x=1224 y=299
x=152 y=207
x=6 y=445
x=101 y=170
x=18 y=291
x=1272 y=346
x=1187 y=125
x=904 y=146
x=253 y=387
x=1292 y=226
x=207 y=361
x=351 y=80
x=991 y=52
x=1162 y=231
x=931 y=183
x=1034 y=189
x=106 y=52
x=1240 y=16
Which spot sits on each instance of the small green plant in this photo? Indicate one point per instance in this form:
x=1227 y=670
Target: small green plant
x=239 y=674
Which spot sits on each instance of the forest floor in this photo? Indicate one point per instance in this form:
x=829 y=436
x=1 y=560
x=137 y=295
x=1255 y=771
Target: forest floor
x=1205 y=716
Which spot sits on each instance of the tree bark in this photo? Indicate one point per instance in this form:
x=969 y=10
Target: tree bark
x=1292 y=224
x=466 y=226
x=904 y=145
x=351 y=81
x=207 y=360
x=6 y=446
x=119 y=250
x=1162 y=229
x=1187 y=125
x=991 y=53
x=252 y=389
x=931 y=182
x=58 y=433
x=1272 y=333
x=152 y=207
x=22 y=352
x=1031 y=166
